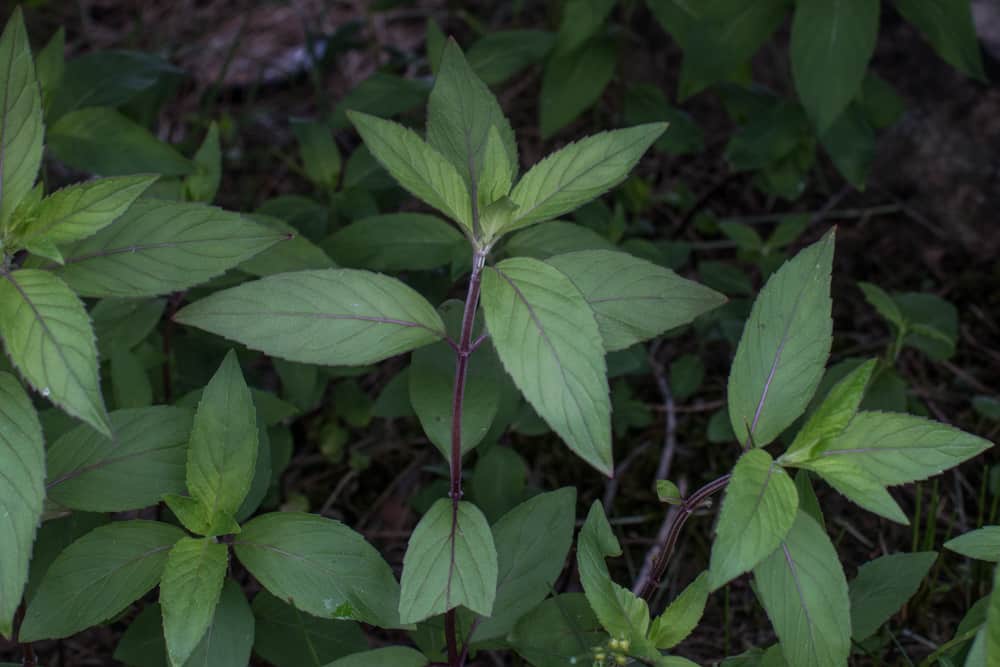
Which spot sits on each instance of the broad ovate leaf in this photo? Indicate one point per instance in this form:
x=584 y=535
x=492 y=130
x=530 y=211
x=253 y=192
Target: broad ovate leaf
x=21 y=127
x=580 y=172
x=633 y=299
x=22 y=460
x=158 y=247
x=784 y=347
x=334 y=316
x=97 y=576
x=451 y=560
x=323 y=567
x=416 y=165
x=48 y=336
x=548 y=340
x=883 y=586
x=757 y=512
x=189 y=592
x=804 y=591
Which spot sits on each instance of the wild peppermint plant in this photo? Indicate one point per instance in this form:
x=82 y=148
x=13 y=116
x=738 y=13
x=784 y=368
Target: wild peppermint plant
x=473 y=578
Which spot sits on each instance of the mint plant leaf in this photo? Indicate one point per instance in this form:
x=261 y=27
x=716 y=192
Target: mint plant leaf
x=20 y=118
x=189 y=592
x=784 y=347
x=981 y=544
x=417 y=166
x=390 y=656
x=323 y=567
x=48 y=336
x=22 y=492
x=548 y=340
x=950 y=29
x=832 y=43
x=804 y=592
x=203 y=183
x=633 y=299
x=395 y=242
x=681 y=617
x=858 y=485
x=97 y=576
x=580 y=172
x=333 y=317
x=450 y=561
x=883 y=586
x=758 y=510
x=287 y=637
x=561 y=631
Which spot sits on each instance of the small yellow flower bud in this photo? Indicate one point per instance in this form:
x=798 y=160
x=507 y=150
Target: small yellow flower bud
x=621 y=659
x=600 y=656
x=624 y=645
x=613 y=644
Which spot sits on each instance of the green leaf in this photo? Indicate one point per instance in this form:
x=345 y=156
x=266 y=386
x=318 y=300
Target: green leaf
x=394 y=242
x=558 y=632
x=189 y=592
x=381 y=94
x=323 y=567
x=950 y=29
x=135 y=468
x=418 y=167
x=500 y=54
x=549 y=342
x=857 y=485
x=288 y=638
x=203 y=184
x=158 y=247
x=48 y=336
x=580 y=172
x=932 y=323
x=991 y=631
x=634 y=300
x=784 y=347
x=804 y=592
x=22 y=491
x=883 y=586
x=390 y=656
x=832 y=43
x=581 y=20
x=981 y=544
x=757 y=512
x=333 y=317
x=82 y=210
x=622 y=613
x=884 y=304
x=98 y=576
x=680 y=618
x=574 y=82
x=498 y=482
x=850 y=142
x=668 y=492
x=432 y=387
x=495 y=181
x=124 y=322
x=833 y=414
x=50 y=65
x=80 y=139
x=450 y=560
x=223 y=449
x=532 y=541
x=899 y=448
x=319 y=152
x=647 y=103
x=549 y=239
x=129 y=380
x=461 y=112
x=21 y=127
x=294 y=253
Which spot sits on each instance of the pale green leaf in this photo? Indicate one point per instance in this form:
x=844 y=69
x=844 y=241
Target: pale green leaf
x=981 y=544
x=784 y=347
x=416 y=165
x=390 y=656
x=757 y=512
x=858 y=485
x=461 y=113
x=622 y=613
x=949 y=27
x=496 y=179
x=561 y=631
x=189 y=592
x=549 y=342
x=394 y=242
x=333 y=317
x=22 y=490
x=680 y=618
x=634 y=300
x=804 y=592
x=532 y=541
x=898 y=448
x=451 y=560
x=97 y=576
x=323 y=567
x=143 y=461
x=203 y=184
x=832 y=42
x=883 y=586
x=48 y=336
x=289 y=638
x=82 y=210
x=580 y=172
x=21 y=127
x=158 y=247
